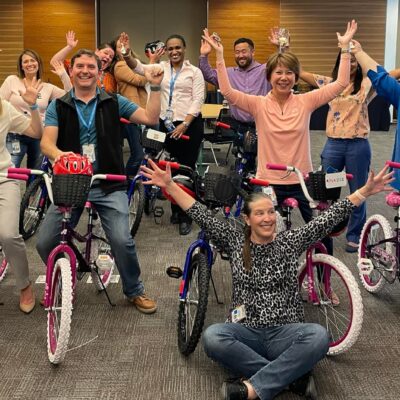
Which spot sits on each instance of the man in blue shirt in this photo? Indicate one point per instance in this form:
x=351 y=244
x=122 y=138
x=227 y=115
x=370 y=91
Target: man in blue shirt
x=86 y=121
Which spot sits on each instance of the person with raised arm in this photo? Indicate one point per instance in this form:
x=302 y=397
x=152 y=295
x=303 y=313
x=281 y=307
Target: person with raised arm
x=11 y=241
x=87 y=121
x=271 y=347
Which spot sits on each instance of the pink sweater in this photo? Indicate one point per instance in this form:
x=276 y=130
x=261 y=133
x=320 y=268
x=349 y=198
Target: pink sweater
x=284 y=136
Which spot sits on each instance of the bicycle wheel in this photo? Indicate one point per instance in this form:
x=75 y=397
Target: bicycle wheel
x=33 y=207
x=342 y=320
x=192 y=310
x=376 y=229
x=3 y=265
x=105 y=273
x=136 y=206
x=59 y=312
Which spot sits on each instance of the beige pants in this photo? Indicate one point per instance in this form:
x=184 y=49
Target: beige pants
x=10 y=239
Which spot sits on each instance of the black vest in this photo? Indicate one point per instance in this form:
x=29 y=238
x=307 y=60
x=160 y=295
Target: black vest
x=108 y=130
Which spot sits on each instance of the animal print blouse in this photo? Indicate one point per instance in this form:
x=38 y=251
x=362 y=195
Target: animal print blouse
x=269 y=291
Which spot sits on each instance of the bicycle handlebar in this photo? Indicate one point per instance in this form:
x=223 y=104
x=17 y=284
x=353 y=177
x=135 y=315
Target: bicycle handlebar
x=393 y=164
x=174 y=165
x=11 y=175
x=258 y=182
x=223 y=125
x=280 y=167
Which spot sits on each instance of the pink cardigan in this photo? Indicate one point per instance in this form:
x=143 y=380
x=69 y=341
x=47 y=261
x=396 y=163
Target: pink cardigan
x=284 y=136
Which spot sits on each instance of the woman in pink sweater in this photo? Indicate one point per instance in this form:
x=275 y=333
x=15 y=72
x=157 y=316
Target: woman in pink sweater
x=282 y=118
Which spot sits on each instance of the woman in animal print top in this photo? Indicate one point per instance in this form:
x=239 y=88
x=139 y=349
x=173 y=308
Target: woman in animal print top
x=272 y=346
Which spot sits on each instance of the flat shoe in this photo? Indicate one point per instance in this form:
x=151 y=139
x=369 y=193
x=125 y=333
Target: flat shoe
x=351 y=249
x=27 y=307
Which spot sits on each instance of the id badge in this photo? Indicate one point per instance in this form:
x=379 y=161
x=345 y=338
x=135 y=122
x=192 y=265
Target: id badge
x=88 y=151
x=269 y=191
x=16 y=147
x=169 y=114
x=238 y=314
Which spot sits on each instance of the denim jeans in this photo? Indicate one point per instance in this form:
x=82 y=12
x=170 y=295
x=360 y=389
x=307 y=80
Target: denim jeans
x=270 y=358
x=27 y=145
x=132 y=134
x=354 y=155
x=113 y=211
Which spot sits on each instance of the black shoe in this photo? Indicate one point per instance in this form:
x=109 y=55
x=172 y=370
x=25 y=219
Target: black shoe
x=174 y=219
x=185 y=228
x=234 y=390
x=304 y=386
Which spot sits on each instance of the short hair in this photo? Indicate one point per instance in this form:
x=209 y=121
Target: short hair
x=85 y=52
x=176 y=36
x=244 y=40
x=34 y=55
x=286 y=59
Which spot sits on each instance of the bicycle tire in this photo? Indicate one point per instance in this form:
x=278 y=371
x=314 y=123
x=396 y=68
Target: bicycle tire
x=4 y=264
x=60 y=311
x=136 y=207
x=343 y=321
x=376 y=228
x=32 y=210
x=103 y=247
x=190 y=328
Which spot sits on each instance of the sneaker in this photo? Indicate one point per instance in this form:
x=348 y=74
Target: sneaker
x=174 y=219
x=144 y=304
x=304 y=386
x=236 y=390
x=351 y=247
x=185 y=228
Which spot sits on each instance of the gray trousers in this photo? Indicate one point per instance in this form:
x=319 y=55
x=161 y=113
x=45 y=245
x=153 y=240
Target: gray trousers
x=10 y=239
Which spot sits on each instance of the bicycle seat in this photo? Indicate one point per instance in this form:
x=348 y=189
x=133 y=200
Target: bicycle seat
x=290 y=202
x=393 y=199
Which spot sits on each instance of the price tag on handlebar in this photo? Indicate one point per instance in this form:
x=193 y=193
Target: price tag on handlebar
x=269 y=190
x=156 y=135
x=337 y=179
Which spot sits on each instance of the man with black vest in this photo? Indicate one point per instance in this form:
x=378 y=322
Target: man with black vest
x=86 y=121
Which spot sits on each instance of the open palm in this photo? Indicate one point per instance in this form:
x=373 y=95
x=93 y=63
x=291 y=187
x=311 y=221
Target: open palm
x=345 y=39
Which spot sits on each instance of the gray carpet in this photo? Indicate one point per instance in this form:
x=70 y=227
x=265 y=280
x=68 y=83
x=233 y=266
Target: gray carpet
x=128 y=355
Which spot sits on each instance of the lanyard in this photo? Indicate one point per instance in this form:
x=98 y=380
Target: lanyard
x=89 y=123
x=172 y=85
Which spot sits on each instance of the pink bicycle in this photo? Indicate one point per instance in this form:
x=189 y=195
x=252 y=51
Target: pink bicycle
x=329 y=290
x=67 y=263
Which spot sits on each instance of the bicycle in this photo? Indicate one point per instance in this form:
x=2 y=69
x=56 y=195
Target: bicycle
x=34 y=204
x=379 y=248
x=66 y=263
x=322 y=275
x=215 y=191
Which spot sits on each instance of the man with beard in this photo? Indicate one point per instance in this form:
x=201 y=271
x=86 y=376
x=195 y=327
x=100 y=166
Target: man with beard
x=248 y=77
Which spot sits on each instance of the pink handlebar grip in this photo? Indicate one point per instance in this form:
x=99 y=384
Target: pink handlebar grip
x=25 y=171
x=124 y=121
x=349 y=177
x=278 y=167
x=222 y=125
x=21 y=177
x=258 y=182
x=173 y=165
x=117 y=178
x=185 y=137
x=393 y=164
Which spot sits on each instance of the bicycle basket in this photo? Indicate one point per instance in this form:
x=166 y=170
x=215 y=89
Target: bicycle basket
x=250 y=142
x=70 y=190
x=152 y=140
x=317 y=189
x=220 y=190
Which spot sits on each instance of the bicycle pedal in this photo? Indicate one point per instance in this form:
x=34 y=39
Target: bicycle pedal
x=365 y=266
x=158 y=212
x=174 y=272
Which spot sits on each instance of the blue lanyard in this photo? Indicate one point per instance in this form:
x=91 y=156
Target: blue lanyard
x=88 y=124
x=172 y=85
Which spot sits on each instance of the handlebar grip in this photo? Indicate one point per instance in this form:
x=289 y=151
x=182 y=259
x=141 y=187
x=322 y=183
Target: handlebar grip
x=223 y=125
x=258 y=182
x=21 y=177
x=124 y=121
x=349 y=177
x=13 y=170
x=185 y=137
x=173 y=165
x=393 y=164
x=278 y=167
x=116 y=178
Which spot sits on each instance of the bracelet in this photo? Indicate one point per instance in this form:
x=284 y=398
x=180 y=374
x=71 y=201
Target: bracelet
x=155 y=88
x=185 y=124
x=359 y=196
x=347 y=50
x=34 y=107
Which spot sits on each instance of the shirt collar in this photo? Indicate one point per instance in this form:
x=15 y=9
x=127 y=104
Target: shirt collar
x=251 y=66
x=96 y=96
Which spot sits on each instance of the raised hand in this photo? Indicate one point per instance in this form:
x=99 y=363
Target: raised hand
x=213 y=42
x=154 y=73
x=155 y=57
x=378 y=183
x=345 y=39
x=205 y=48
x=71 y=41
x=156 y=175
x=355 y=47
x=273 y=36
x=32 y=90
x=124 y=40
x=57 y=68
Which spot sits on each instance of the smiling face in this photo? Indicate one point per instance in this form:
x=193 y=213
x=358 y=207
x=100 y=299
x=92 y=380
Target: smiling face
x=84 y=72
x=244 y=55
x=106 y=56
x=262 y=220
x=282 y=80
x=175 y=51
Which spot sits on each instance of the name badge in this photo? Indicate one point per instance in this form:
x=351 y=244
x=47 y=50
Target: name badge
x=337 y=179
x=238 y=314
x=88 y=151
x=156 y=135
x=16 y=147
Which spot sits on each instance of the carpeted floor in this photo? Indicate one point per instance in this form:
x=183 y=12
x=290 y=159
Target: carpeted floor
x=119 y=353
